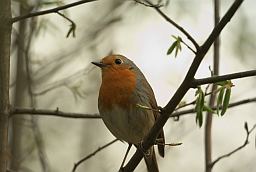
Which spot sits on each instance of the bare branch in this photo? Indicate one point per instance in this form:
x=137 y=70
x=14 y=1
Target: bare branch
x=92 y=154
x=215 y=72
x=156 y=7
x=72 y=28
x=148 y=5
x=234 y=104
x=53 y=10
x=246 y=142
x=191 y=49
x=55 y=113
x=58 y=113
x=215 y=79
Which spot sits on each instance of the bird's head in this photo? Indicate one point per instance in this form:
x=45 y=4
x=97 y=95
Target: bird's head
x=116 y=63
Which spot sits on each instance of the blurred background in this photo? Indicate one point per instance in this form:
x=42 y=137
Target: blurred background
x=50 y=70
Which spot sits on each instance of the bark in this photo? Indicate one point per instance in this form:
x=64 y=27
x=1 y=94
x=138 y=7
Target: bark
x=5 y=41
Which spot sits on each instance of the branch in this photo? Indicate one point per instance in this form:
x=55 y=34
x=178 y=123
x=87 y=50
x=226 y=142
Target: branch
x=246 y=142
x=53 y=10
x=55 y=113
x=72 y=28
x=149 y=140
x=234 y=104
x=156 y=7
x=148 y=5
x=58 y=113
x=92 y=154
x=215 y=72
x=215 y=79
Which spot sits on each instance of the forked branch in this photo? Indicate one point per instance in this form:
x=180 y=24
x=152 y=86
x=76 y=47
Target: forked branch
x=168 y=19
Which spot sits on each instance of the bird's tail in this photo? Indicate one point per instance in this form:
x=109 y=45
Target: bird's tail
x=150 y=159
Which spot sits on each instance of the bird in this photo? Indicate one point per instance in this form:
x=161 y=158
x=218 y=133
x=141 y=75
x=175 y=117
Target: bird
x=123 y=91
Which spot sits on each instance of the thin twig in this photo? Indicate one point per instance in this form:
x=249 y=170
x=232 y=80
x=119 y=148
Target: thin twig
x=55 y=113
x=246 y=142
x=188 y=47
x=92 y=154
x=174 y=24
x=53 y=10
x=148 y=5
x=72 y=28
x=185 y=105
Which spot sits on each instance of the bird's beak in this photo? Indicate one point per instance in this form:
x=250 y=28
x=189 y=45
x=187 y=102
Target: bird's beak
x=99 y=64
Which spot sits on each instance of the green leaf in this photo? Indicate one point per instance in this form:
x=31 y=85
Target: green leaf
x=226 y=101
x=170 y=50
x=199 y=113
x=175 y=45
x=178 y=48
x=199 y=106
x=199 y=118
x=220 y=99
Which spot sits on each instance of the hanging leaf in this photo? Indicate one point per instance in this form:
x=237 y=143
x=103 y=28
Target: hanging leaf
x=178 y=47
x=199 y=106
x=226 y=101
x=175 y=45
x=170 y=50
x=220 y=99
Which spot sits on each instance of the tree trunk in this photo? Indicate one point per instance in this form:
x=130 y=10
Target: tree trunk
x=5 y=42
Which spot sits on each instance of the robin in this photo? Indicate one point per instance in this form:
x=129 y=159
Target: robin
x=123 y=88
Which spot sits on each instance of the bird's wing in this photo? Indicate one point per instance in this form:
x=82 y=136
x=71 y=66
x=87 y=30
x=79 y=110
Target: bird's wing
x=148 y=91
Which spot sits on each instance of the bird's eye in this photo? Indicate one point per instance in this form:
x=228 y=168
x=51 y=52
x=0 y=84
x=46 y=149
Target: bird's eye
x=118 y=61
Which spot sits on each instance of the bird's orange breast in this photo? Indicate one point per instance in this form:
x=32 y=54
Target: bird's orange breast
x=117 y=88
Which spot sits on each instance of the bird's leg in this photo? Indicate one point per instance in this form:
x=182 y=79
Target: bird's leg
x=125 y=156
